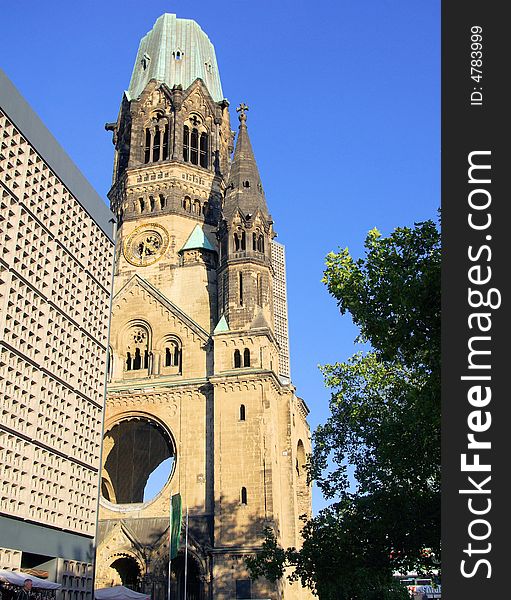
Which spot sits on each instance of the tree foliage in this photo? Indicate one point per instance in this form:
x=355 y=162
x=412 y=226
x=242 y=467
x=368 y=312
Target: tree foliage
x=384 y=422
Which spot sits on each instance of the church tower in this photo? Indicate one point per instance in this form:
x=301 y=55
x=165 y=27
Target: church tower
x=199 y=397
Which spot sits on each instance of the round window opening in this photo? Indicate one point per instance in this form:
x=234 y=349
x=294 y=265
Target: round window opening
x=139 y=457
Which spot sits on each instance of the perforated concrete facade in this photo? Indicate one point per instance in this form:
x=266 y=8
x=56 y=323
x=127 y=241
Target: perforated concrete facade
x=56 y=257
x=278 y=259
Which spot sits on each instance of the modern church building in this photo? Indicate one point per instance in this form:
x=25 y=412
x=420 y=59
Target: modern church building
x=56 y=259
x=199 y=393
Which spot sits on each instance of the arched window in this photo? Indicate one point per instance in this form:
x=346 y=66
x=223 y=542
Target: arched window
x=246 y=184
x=162 y=201
x=137 y=348
x=137 y=360
x=241 y=288
x=204 y=150
x=172 y=355
x=242 y=412
x=194 y=146
x=259 y=295
x=165 y=143
x=243 y=495
x=300 y=459
x=237 y=359
x=260 y=244
x=196 y=142
x=109 y=363
x=186 y=143
x=246 y=357
x=187 y=203
x=156 y=144
x=157 y=140
x=240 y=241
x=225 y=294
x=141 y=205
x=151 y=203
x=254 y=242
x=147 y=147
x=196 y=207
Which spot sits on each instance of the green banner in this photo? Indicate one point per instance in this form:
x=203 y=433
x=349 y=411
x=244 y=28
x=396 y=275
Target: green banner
x=175 y=519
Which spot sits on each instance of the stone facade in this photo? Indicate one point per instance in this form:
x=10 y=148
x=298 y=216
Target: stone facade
x=195 y=371
x=56 y=262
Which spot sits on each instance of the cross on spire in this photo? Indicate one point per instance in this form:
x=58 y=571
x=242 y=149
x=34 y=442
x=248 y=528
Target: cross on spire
x=242 y=108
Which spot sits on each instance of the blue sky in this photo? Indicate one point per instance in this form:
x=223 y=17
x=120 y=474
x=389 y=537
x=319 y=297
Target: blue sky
x=344 y=119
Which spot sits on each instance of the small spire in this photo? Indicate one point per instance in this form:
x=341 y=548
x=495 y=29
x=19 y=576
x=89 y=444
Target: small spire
x=242 y=108
x=244 y=188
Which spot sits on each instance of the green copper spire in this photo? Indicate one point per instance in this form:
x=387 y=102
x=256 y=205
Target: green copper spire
x=197 y=240
x=222 y=326
x=176 y=52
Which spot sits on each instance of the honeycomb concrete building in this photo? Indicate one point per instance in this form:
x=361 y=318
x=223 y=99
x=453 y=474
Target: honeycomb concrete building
x=56 y=259
x=199 y=385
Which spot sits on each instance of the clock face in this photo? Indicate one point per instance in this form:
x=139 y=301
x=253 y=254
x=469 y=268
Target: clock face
x=146 y=245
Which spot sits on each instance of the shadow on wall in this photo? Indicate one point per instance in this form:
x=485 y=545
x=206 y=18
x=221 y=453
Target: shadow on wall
x=140 y=561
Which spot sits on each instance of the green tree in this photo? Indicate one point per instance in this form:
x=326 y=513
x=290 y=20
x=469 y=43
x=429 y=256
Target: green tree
x=384 y=422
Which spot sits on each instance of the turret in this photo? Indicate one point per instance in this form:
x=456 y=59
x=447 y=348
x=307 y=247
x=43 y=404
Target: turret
x=245 y=233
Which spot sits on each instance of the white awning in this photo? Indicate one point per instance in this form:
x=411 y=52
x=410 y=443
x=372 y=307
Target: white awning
x=18 y=578
x=119 y=592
